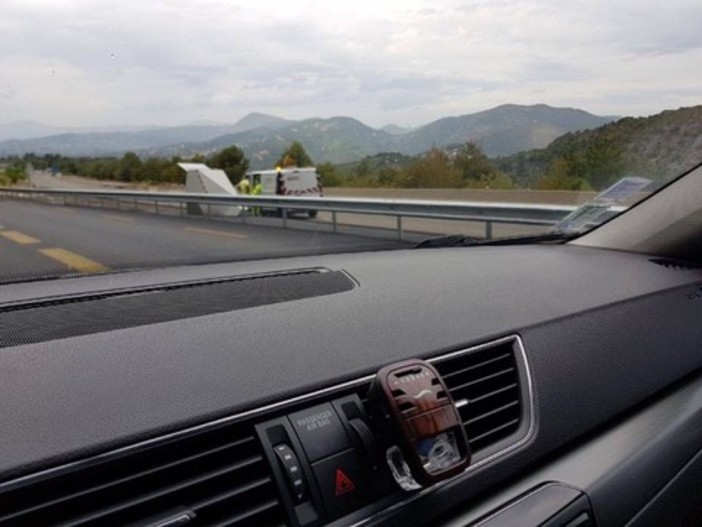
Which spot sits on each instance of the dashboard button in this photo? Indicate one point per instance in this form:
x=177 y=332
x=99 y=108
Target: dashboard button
x=341 y=483
x=320 y=431
x=293 y=472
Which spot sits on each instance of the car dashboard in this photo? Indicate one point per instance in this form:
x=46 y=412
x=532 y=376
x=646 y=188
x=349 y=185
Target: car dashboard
x=186 y=395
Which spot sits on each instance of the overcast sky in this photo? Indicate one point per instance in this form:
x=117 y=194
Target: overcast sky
x=164 y=62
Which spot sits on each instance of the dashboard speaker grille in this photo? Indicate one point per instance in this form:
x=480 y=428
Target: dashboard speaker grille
x=56 y=318
x=218 y=477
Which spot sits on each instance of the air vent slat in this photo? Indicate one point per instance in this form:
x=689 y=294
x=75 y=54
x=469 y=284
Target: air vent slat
x=485 y=383
x=482 y=379
x=132 y=477
x=492 y=393
x=244 y=517
x=453 y=374
x=481 y=437
x=172 y=489
x=220 y=473
x=216 y=499
x=511 y=405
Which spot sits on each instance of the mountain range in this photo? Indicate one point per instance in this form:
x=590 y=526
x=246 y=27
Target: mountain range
x=501 y=131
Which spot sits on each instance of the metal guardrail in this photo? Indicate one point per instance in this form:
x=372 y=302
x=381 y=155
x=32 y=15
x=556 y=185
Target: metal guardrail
x=487 y=213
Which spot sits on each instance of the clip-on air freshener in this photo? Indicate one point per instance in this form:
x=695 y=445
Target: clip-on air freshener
x=422 y=428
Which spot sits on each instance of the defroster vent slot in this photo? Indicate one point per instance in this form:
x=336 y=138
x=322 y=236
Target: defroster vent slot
x=63 y=317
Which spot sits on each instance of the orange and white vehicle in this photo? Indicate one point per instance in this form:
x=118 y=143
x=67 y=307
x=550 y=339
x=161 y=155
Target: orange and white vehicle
x=299 y=182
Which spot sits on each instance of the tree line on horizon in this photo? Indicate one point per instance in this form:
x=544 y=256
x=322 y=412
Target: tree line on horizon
x=571 y=166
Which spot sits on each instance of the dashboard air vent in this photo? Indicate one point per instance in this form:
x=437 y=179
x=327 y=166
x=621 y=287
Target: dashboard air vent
x=216 y=477
x=485 y=386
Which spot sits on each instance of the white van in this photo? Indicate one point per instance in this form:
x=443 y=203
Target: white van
x=287 y=182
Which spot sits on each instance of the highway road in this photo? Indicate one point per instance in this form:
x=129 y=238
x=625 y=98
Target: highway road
x=38 y=239
x=415 y=228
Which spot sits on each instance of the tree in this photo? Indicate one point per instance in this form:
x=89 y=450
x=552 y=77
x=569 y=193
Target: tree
x=198 y=158
x=604 y=162
x=295 y=156
x=363 y=168
x=129 y=168
x=476 y=169
x=232 y=161
x=432 y=170
x=327 y=175
x=388 y=177
x=558 y=177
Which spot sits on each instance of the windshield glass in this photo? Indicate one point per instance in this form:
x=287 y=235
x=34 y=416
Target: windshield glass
x=145 y=134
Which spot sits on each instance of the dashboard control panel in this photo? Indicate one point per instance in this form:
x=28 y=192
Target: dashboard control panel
x=326 y=461
x=333 y=458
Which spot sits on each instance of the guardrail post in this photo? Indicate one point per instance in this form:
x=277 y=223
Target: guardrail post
x=399 y=227
x=488 y=230
x=209 y=210
x=136 y=207
x=156 y=206
x=285 y=218
x=334 y=226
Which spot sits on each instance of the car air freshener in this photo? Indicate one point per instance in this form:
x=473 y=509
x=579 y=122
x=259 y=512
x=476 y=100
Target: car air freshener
x=416 y=414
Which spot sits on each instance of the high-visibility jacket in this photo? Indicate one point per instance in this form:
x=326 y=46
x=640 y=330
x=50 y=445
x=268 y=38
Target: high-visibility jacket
x=244 y=186
x=257 y=190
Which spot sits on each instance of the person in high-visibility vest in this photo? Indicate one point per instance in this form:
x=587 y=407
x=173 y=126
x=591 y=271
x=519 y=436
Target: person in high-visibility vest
x=257 y=190
x=244 y=186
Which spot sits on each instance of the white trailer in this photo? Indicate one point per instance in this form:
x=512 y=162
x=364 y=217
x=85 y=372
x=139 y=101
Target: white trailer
x=201 y=179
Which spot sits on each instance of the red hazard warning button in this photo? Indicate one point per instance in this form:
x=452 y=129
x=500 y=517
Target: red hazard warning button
x=341 y=483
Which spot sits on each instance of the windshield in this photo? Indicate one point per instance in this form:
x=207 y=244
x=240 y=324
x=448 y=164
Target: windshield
x=147 y=134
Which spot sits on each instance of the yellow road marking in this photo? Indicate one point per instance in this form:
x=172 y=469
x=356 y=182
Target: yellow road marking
x=74 y=261
x=118 y=218
x=217 y=233
x=18 y=237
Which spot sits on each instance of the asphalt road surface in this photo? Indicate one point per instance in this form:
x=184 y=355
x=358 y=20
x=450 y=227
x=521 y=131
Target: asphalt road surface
x=43 y=240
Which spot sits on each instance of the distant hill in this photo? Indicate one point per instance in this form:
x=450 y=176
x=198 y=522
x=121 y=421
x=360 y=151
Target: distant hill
x=33 y=130
x=117 y=140
x=501 y=131
x=338 y=140
x=378 y=162
x=110 y=143
x=259 y=120
x=394 y=129
x=660 y=147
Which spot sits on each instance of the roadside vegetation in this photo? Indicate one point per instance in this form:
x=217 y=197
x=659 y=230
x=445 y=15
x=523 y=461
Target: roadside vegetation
x=12 y=171
x=657 y=147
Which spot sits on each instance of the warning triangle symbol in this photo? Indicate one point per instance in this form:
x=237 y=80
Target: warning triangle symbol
x=343 y=483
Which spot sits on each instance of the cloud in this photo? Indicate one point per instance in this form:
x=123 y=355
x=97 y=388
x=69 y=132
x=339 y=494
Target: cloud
x=84 y=62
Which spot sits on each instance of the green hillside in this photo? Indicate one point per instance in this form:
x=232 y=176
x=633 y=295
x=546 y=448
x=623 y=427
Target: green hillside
x=660 y=147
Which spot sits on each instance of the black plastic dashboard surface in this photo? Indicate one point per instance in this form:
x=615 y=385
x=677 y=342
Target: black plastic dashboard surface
x=602 y=331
